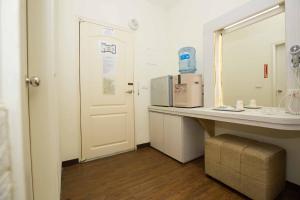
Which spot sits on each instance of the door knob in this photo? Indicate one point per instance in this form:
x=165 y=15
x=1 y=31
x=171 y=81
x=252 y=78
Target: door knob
x=279 y=91
x=33 y=81
x=129 y=91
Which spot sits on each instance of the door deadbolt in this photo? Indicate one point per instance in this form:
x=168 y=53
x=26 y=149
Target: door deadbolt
x=33 y=81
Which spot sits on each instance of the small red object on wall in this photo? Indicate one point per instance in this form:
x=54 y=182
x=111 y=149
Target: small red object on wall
x=266 y=71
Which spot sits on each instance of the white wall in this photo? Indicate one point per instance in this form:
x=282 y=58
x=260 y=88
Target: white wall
x=186 y=20
x=68 y=76
x=13 y=92
x=151 y=47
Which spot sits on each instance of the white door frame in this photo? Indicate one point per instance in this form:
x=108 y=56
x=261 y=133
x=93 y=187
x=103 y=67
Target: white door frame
x=274 y=56
x=43 y=107
x=101 y=23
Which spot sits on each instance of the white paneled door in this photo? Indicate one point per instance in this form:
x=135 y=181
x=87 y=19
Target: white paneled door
x=106 y=81
x=43 y=108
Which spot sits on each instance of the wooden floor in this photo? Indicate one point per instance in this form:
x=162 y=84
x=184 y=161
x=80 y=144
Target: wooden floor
x=146 y=174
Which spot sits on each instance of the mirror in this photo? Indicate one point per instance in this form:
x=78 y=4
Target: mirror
x=254 y=62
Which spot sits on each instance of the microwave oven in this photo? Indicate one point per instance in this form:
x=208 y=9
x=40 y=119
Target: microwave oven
x=162 y=91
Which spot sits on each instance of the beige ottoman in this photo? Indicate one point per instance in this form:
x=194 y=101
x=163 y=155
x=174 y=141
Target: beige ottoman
x=255 y=169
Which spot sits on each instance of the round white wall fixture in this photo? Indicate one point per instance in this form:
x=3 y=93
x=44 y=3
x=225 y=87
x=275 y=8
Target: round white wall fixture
x=133 y=24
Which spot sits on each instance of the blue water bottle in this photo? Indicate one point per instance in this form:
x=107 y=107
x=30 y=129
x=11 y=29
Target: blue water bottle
x=187 y=60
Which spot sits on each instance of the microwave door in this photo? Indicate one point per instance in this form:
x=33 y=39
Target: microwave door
x=161 y=91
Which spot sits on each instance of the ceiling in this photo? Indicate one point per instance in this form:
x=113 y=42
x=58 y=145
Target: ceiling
x=164 y=3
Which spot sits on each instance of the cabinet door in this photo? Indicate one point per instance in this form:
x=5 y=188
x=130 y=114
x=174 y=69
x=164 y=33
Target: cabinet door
x=192 y=140
x=157 y=130
x=173 y=136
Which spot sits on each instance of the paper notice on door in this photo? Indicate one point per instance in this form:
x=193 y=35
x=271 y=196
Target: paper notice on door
x=106 y=47
x=109 y=65
x=109 y=62
x=109 y=86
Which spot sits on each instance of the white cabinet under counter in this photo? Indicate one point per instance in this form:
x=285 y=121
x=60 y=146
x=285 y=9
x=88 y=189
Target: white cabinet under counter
x=178 y=132
x=179 y=137
x=156 y=125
